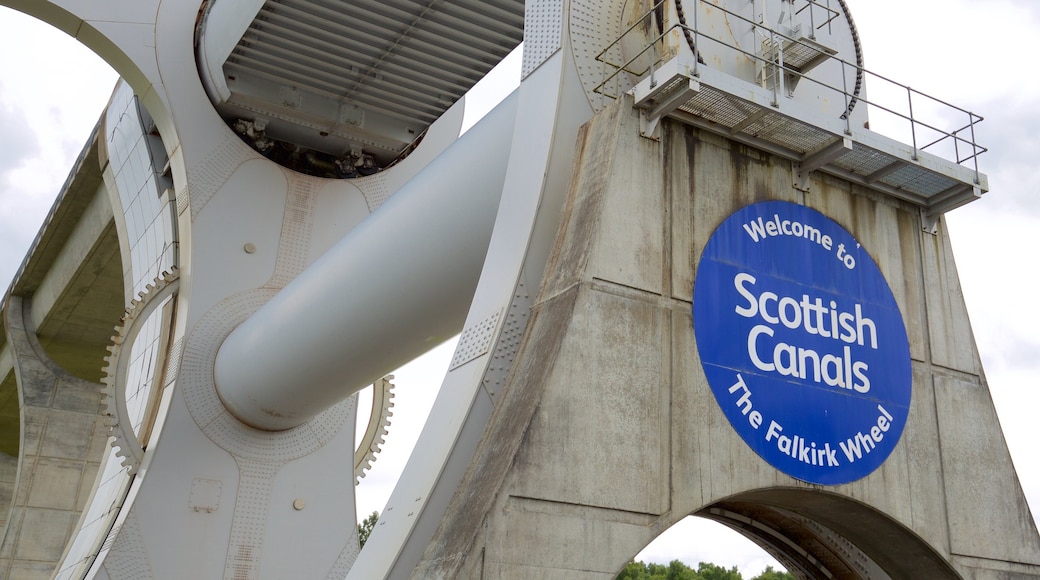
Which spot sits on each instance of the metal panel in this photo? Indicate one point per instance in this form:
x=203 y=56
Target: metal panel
x=341 y=76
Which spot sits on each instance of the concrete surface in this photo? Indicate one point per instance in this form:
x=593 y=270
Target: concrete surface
x=607 y=432
x=63 y=438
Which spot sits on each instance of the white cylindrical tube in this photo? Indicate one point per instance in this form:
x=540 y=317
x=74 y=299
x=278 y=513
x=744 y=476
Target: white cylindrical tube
x=395 y=286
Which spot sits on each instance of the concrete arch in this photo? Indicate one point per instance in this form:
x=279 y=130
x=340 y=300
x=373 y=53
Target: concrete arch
x=819 y=534
x=63 y=433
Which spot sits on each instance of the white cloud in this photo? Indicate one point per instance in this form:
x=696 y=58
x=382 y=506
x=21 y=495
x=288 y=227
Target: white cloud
x=49 y=103
x=19 y=143
x=963 y=51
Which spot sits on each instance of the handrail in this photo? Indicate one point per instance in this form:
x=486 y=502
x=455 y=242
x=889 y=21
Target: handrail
x=812 y=20
x=780 y=70
x=603 y=53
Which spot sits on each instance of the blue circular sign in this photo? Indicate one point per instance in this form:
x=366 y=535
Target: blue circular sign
x=802 y=342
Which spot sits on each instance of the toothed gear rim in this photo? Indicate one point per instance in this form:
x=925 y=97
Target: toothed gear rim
x=378 y=422
x=129 y=448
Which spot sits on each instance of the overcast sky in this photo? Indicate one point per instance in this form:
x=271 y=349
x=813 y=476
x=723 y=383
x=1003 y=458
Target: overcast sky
x=970 y=53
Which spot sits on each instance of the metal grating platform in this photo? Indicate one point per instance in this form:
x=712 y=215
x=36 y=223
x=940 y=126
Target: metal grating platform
x=776 y=106
x=790 y=129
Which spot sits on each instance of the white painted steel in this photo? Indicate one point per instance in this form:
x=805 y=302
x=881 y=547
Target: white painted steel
x=345 y=78
x=552 y=105
x=146 y=228
x=149 y=43
x=394 y=287
x=222 y=28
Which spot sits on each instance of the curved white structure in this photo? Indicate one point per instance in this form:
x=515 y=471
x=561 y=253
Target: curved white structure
x=296 y=290
x=398 y=284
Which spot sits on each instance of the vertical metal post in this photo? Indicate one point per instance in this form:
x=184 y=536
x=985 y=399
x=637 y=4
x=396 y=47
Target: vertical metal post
x=772 y=64
x=974 y=147
x=913 y=127
x=780 y=71
x=812 y=21
x=653 y=43
x=653 y=58
x=847 y=115
x=956 y=149
x=696 y=39
x=761 y=65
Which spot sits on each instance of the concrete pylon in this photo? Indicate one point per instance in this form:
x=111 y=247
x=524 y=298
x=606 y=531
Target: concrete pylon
x=608 y=431
x=63 y=435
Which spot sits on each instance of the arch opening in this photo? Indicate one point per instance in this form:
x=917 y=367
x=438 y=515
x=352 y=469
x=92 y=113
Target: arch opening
x=695 y=539
x=812 y=533
x=818 y=534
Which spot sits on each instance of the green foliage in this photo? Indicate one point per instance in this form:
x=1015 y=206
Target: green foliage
x=676 y=570
x=709 y=571
x=770 y=574
x=634 y=571
x=364 y=529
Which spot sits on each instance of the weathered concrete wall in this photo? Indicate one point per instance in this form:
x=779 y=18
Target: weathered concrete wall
x=8 y=479
x=608 y=432
x=63 y=439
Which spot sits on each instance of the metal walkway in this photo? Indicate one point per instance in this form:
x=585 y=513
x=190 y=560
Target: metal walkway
x=937 y=171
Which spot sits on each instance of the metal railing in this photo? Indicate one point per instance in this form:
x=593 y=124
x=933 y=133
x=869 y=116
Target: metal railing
x=831 y=14
x=960 y=141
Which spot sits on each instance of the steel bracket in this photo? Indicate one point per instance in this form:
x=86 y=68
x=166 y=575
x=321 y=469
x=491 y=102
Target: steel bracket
x=662 y=92
x=812 y=161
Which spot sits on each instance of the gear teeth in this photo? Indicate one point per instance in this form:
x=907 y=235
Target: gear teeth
x=108 y=402
x=127 y=446
x=377 y=429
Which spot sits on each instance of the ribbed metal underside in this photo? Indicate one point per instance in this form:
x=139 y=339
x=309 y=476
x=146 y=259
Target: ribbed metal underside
x=407 y=59
x=337 y=75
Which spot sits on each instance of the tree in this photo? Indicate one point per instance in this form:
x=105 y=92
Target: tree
x=709 y=571
x=676 y=570
x=770 y=574
x=679 y=571
x=633 y=571
x=364 y=529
